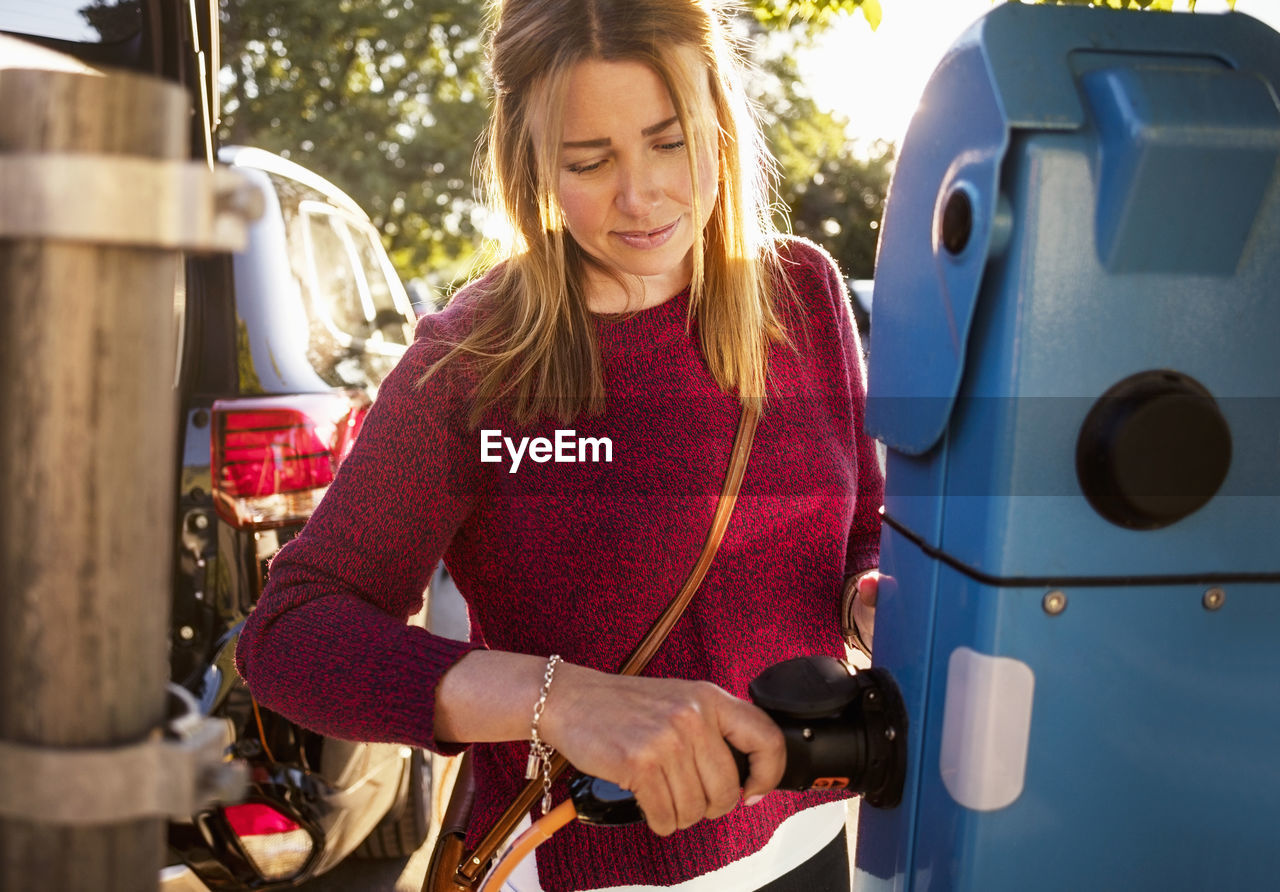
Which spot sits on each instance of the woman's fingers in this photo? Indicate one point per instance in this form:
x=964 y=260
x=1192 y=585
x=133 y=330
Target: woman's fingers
x=751 y=731
x=712 y=774
x=692 y=774
x=670 y=789
x=869 y=587
x=691 y=790
x=717 y=762
x=664 y=740
x=656 y=801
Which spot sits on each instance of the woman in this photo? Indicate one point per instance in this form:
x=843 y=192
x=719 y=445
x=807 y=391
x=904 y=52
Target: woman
x=644 y=300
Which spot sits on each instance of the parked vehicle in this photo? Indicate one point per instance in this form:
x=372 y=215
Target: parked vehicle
x=860 y=294
x=279 y=350
x=275 y=394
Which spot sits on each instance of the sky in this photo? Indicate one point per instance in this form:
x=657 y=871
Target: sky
x=875 y=79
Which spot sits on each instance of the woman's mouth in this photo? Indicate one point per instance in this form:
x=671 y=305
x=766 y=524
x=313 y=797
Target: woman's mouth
x=647 y=239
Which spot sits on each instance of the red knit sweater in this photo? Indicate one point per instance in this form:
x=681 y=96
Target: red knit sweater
x=579 y=558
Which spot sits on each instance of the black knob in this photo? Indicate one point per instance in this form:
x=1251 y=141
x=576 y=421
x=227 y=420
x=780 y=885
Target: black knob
x=957 y=221
x=1153 y=449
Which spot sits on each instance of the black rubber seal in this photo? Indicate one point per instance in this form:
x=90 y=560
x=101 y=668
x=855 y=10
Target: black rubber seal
x=1071 y=581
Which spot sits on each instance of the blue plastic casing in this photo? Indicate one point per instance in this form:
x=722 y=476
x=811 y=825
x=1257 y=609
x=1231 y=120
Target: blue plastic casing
x=1091 y=706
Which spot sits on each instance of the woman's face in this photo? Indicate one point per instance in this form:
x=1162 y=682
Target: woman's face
x=624 y=183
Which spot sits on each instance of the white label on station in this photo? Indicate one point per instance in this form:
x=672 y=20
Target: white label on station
x=986 y=729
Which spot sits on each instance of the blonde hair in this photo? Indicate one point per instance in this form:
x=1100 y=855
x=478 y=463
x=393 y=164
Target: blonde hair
x=534 y=339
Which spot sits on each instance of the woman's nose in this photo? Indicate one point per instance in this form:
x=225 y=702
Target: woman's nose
x=638 y=190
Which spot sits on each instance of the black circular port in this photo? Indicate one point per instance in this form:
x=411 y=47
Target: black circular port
x=1153 y=449
x=957 y=221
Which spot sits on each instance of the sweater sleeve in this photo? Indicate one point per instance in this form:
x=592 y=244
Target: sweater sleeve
x=328 y=645
x=864 y=532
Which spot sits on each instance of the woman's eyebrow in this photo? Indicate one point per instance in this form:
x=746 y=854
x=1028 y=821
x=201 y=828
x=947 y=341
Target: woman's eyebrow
x=602 y=143
x=660 y=126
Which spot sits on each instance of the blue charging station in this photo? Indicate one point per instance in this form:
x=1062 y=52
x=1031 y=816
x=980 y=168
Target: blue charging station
x=1075 y=367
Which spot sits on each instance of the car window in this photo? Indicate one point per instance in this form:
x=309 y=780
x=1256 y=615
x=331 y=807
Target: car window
x=336 y=291
x=82 y=21
x=392 y=321
x=357 y=329
x=352 y=287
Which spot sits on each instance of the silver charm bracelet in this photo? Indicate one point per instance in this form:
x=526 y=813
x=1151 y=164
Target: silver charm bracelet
x=540 y=753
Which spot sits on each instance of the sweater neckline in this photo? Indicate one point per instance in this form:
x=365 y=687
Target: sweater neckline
x=627 y=331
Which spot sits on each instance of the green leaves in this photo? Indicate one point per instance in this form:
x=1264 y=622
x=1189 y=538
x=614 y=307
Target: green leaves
x=833 y=188
x=383 y=97
x=813 y=14
x=386 y=98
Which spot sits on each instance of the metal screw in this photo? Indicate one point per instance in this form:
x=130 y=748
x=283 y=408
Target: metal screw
x=807 y=734
x=1054 y=602
x=186 y=633
x=1213 y=598
x=872 y=696
x=889 y=733
x=200 y=522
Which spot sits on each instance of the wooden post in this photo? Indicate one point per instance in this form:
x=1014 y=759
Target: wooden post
x=87 y=457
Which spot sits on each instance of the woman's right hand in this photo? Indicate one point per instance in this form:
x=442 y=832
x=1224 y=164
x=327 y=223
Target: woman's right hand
x=664 y=740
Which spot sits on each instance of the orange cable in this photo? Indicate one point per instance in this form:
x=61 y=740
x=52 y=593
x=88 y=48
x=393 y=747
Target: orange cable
x=262 y=735
x=526 y=842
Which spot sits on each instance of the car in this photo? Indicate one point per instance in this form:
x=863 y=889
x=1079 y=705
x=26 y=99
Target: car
x=860 y=296
x=278 y=352
x=281 y=359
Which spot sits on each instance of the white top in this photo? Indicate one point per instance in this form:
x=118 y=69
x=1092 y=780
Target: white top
x=796 y=840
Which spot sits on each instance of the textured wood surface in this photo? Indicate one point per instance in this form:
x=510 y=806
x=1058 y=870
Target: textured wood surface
x=87 y=446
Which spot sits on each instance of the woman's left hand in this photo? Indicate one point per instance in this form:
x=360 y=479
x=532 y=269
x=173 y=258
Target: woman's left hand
x=858 y=609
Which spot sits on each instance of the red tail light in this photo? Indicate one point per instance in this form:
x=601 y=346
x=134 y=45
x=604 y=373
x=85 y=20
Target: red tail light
x=274 y=457
x=276 y=845
x=255 y=819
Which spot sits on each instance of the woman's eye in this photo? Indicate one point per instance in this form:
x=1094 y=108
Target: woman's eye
x=585 y=167
x=673 y=146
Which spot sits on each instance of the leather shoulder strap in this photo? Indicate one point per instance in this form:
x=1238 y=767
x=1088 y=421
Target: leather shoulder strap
x=475 y=861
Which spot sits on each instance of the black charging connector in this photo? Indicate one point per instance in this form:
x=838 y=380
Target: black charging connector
x=843 y=730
